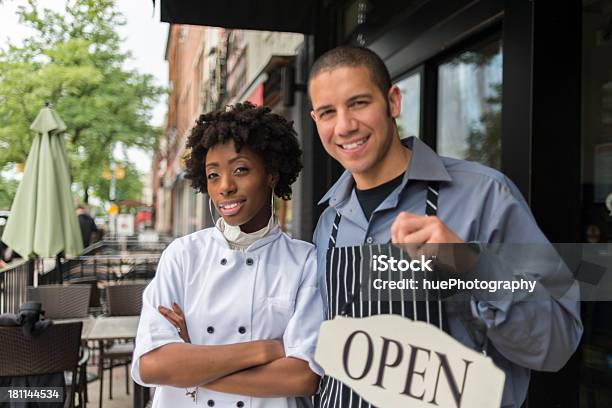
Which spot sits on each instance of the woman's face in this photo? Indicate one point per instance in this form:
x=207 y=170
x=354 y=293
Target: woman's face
x=239 y=186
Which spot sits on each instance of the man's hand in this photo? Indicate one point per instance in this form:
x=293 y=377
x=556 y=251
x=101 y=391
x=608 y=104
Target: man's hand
x=409 y=228
x=426 y=235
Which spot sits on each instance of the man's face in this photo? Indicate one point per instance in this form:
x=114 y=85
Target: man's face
x=355 y=121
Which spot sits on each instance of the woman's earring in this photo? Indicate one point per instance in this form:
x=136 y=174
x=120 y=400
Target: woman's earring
x=210 y=208
x=272 y=205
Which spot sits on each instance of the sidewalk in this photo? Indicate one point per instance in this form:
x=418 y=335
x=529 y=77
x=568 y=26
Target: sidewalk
x=120 y=398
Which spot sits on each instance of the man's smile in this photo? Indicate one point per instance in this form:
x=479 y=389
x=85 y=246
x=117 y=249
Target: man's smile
x=354 y=145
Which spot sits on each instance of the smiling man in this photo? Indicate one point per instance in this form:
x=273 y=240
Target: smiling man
x=402 y=191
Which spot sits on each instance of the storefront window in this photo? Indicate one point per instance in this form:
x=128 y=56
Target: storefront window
x=597 y=120
x=470 y=105
x=192 y=215
x=409 y=120
x=177 y=209
x=596 y=139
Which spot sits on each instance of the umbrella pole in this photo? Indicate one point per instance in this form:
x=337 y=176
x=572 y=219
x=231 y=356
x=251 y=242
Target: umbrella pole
x=58 y=269
x=35 y=274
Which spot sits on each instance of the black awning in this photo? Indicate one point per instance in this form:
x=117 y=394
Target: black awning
x=269 y=15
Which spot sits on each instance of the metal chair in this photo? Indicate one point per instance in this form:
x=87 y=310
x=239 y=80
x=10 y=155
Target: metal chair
x=62 y=301
x=95 y=307
x=54 y=351
x=83 y=377
x=66 y=302
x=123 y=299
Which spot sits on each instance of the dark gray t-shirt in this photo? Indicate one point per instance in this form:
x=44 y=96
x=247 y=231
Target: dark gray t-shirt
x=371 y=198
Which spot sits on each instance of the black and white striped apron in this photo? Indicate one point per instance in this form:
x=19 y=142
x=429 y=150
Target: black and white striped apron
x=345 y=271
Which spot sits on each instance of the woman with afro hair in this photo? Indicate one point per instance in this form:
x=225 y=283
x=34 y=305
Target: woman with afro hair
x=232 y=316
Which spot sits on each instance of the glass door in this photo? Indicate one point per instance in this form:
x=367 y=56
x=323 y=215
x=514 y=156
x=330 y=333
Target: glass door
x=597 y=121
x=409 y=121
x=469 y=104
x=596 y=179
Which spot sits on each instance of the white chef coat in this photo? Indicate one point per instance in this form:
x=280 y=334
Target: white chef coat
x=268 y=291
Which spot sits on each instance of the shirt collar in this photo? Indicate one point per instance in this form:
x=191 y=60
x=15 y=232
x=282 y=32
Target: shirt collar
x=425 y=165
x=273 y=234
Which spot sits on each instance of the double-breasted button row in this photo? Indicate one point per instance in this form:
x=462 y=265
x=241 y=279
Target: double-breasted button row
x=241 y=329
x=211 y=403
x=249 y=261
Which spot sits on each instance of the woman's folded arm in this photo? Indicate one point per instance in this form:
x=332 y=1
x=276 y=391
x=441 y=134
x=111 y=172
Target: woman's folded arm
x=284 y=377
x=188 y=365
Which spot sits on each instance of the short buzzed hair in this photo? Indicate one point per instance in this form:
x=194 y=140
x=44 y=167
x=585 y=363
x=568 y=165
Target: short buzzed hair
x=352 y=56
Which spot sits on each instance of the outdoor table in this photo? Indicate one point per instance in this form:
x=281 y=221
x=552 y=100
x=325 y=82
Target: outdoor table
x=118 y=328
x=108 y=328
x=113 y=328
x=88 y=323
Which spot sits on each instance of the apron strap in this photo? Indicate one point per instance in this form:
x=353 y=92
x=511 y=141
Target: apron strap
x=432 y=198
x=334 y=231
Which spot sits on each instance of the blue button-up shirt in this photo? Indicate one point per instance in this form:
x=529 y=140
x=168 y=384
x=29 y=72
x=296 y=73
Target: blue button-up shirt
x=479 y=204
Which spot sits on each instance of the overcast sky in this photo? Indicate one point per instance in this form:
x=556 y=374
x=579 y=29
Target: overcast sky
x=144 y=36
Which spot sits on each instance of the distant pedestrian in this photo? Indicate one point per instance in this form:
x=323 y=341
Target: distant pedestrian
x=87 y=225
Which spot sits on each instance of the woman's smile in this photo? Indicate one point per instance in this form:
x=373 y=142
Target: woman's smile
x=231 y=207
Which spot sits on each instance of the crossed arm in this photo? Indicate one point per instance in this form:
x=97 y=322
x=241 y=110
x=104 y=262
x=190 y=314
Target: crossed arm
x=256 y=368
x=283 y=377
x=188 y=365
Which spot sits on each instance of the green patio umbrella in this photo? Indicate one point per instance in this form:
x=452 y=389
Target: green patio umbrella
x=43 y=221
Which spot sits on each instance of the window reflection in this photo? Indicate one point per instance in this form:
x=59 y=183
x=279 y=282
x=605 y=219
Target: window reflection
x=469 y=105
x=596 y=199
x=408 y=122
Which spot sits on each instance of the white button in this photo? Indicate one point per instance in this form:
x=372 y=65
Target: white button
x=369 y=240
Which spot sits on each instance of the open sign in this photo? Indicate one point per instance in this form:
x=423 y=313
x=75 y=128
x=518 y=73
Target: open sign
x=392 y=361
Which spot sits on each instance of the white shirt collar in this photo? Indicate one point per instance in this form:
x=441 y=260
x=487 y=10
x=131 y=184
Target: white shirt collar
x=233 y=238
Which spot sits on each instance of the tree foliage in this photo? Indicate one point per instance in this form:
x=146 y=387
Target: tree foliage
x=8 y=188
x=484 y=139
x=127 y=188
x=74 y=61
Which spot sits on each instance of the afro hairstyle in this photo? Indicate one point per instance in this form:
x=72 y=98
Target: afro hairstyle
x=269 y=135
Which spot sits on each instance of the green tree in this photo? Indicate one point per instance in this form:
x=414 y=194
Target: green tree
x=127 y=188
x=484 y=139
x=8 y=188
x=74 y=61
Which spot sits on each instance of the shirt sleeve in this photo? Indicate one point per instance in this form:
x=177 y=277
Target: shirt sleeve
x=321 y=240
x=302 y=332
x=154 y=330
x=540 y=330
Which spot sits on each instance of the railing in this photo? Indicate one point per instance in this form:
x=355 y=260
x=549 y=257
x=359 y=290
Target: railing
x=112 y=267
x=111 y=260
x=106 y=261
x=13 y=283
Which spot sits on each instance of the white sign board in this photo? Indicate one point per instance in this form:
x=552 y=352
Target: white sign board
x=125 y=225
x=396 y=362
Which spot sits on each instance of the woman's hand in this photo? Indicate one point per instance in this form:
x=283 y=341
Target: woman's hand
x=177 y=319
